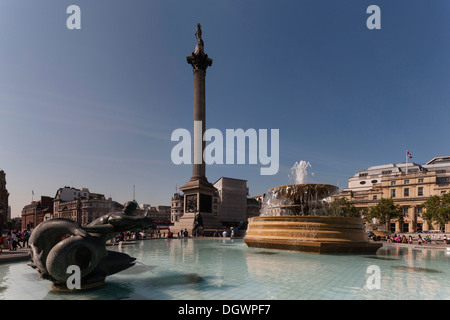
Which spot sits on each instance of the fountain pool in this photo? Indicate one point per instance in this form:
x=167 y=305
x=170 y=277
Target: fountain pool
x=226 y=269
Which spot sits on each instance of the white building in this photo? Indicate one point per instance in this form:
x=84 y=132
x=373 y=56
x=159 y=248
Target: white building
x=232 y=196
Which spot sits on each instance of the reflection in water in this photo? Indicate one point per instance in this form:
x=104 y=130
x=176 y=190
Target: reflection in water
x=265 y=252
x=416 y=269
x=174 y=280
x=227 y=269
x=381 y=258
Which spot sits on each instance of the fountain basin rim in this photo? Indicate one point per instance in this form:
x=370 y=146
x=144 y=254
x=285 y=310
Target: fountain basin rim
x=313 y=219
x=319 y=234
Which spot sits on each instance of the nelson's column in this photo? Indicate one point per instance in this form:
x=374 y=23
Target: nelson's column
x=198 y=192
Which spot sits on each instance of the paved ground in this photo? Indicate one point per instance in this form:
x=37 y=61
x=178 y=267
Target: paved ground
x=7 y=256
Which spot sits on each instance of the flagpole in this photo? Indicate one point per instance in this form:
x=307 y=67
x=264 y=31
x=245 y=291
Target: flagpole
x=406 y=162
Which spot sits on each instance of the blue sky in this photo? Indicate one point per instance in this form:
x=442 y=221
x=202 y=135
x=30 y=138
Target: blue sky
x=96 y=107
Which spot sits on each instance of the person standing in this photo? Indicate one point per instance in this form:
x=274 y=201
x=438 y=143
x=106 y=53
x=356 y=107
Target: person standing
x=9 y=241
x=25 y=238
x=14 y=241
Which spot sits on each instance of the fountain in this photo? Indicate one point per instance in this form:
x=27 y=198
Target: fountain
x=294 y=217
x=59 y=244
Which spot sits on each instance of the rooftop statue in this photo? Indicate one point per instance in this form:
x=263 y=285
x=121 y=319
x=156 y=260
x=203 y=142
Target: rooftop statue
x=58 y=243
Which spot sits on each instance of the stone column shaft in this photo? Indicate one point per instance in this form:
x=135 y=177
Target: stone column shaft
x=198 y=170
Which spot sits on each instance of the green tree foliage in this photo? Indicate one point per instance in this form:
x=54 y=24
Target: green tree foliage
x=385 y=211
x=437 y=209
x=343 y=208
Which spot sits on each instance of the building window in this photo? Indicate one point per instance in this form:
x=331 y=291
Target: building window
x=374 y=181
x=406 y=181
x=405 y=211
x=405 y=227
x=362 y=182
x=419 y=211
x=363 y=174
x=392 y=193
x=420 y=191
x=392 y=227
x=392 y=183
x=374 y=197
x=386 y=172
x=406 y=192
x=420 y=180
x=442 y=179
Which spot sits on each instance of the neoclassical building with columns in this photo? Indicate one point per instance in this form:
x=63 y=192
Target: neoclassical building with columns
x=409 y=184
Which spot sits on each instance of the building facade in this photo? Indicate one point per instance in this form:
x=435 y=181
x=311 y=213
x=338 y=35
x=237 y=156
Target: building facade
x=81 y=205
x=176 y=207
x=408 y=184
x=36 y=212
x=161 y=215
x=4 y=196
x=231 y=200
x=254 y=205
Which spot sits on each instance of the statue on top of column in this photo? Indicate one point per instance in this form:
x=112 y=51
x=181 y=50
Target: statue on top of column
x=199 y=59
x=199 y=48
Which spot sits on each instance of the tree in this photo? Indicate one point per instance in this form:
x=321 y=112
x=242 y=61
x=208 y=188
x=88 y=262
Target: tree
x=446 y=200
x=437 y=209
x=342 y=207
x=445 y=208
x=431 y=208
x=385 y=211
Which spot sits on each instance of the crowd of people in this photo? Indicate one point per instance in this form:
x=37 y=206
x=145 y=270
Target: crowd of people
x=14 y=240
x=225 y=233
x=142 y=234
x=426 y=239
x=217 y=233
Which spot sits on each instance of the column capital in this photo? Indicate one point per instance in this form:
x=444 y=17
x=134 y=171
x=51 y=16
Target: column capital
x=199 y=61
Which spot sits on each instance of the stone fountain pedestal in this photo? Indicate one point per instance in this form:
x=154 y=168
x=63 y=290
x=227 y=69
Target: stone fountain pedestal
x=316 y=234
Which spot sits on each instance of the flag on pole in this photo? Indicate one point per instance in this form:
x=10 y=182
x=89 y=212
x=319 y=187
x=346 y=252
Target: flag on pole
x=408 y=155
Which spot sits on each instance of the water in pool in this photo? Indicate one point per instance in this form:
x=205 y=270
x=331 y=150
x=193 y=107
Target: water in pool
x=226 y=269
